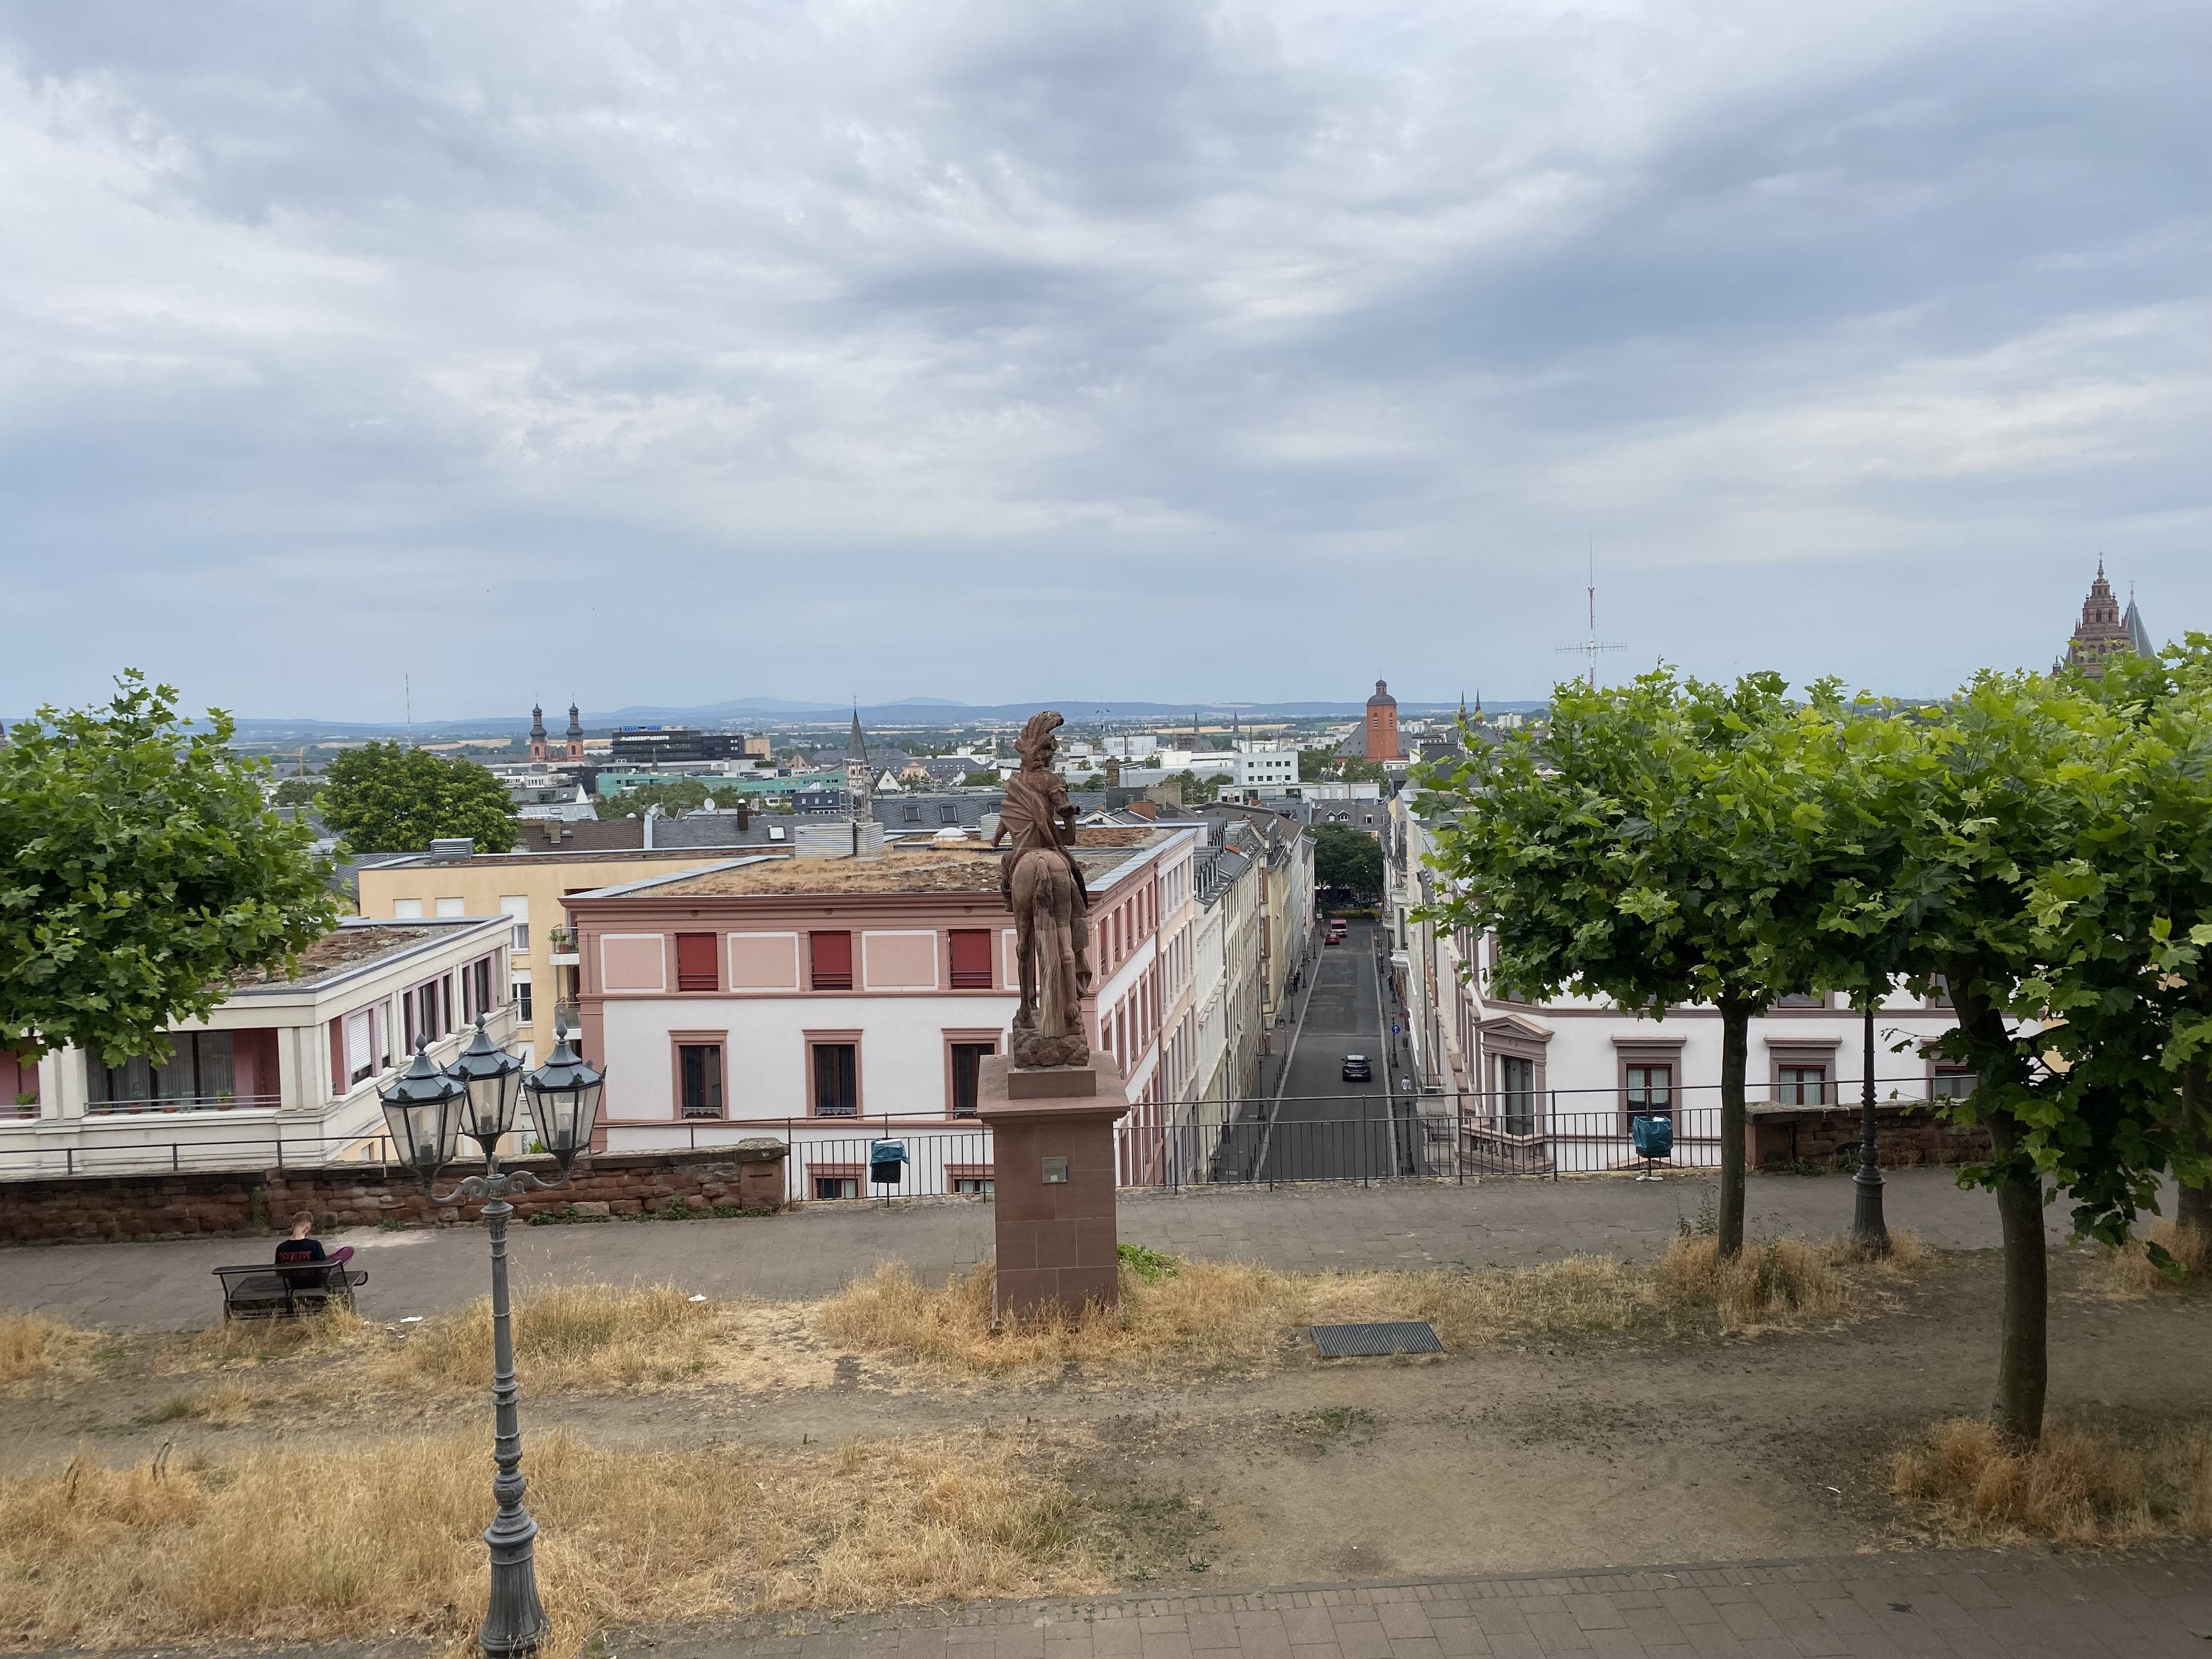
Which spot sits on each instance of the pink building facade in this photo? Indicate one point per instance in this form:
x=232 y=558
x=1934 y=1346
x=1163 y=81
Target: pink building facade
x=841 y=1003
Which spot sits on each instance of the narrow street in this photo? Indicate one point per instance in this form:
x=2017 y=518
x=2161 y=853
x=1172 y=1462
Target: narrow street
x=1309 y=1124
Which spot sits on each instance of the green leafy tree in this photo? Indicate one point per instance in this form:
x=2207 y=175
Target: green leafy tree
x=297 y=792
x=1666 y=843
x=2022 y=814
x=1314 y=764
x=382 y=797
x=1348 y=860
x=1364 y=771
x=139 y=872
x=980 y=779
x=684 y=795
x=2127 y=922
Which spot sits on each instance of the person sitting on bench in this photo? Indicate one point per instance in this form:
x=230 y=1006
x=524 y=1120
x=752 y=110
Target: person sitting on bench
x=301 y=1251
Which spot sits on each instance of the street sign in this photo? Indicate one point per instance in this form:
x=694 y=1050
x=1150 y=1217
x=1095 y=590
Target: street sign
x=1393 y=1028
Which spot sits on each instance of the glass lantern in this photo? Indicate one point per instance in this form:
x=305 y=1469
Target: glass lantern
x=422 y=1111
x=564 y=1100
x=491 y=1080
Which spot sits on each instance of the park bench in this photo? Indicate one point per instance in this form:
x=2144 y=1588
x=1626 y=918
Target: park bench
x=265 y=1292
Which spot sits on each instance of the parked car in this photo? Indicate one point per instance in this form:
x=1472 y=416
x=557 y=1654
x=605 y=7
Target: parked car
x=1357 y=1070
x=1334 y=938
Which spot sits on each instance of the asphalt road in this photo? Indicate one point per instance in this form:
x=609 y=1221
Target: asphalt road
x=1320 y=1126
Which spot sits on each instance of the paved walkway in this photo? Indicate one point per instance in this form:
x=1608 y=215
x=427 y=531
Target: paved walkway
x=2016 y=1605
x=1500 y=1222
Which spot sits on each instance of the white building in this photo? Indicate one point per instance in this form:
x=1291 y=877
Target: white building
x=284 y=1069
x=840 y=1002
x=1554 y=1084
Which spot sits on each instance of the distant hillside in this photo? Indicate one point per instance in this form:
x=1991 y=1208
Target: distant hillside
x=782 y=712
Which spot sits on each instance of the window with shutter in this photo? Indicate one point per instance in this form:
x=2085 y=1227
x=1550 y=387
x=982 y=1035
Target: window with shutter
x=697 y=963
x=971 y=959
x=831 y=956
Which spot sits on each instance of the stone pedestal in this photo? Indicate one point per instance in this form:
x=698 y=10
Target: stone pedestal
x=760 y=1173
x=1051 y=1172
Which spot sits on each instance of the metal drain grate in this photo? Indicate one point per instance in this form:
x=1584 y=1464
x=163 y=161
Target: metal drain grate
x=1397 y=1336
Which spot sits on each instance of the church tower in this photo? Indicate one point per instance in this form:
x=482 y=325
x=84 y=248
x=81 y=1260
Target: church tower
x=1382 y=725
x=537 y=731
x=575 y=734
x=859 y=781
x=2103 y=632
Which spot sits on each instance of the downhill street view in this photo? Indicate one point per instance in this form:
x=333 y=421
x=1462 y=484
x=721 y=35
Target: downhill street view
x=1172 y=831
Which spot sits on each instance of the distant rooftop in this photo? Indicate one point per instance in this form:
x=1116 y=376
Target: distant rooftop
x=357 y=943
x=964 y=866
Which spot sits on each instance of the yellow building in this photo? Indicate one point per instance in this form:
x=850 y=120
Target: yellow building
x=526 y=886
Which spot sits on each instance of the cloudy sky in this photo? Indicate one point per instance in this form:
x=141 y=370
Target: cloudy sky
x=672 y=352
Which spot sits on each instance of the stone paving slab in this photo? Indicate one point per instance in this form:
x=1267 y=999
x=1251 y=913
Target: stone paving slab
x=1970 y=1603
x=166 y=1286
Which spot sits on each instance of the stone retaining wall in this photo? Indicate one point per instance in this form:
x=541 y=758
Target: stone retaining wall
x=1906 y=1133
x=245 y=1201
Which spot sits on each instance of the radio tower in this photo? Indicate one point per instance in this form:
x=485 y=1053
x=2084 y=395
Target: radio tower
x=1592 y=647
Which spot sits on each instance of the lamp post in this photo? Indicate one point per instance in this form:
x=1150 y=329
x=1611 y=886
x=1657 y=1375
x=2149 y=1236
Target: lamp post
x=1868 y=1231
x=428 y=1108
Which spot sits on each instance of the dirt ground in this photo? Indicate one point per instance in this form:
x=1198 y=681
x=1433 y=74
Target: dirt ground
x=1600 y=1450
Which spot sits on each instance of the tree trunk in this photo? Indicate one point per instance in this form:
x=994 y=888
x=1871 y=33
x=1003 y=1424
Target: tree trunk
x=2023 y=1352
x=1735 y=1041
x=2192 y=1209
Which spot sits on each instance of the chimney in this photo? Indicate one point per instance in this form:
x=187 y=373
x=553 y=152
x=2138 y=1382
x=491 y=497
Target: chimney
x=1146 y=809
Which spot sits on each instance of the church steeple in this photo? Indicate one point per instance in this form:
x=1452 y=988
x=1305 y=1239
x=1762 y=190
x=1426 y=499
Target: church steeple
x=859 y=780
x=575 y=734
x=2101 y=632
x=537 y=731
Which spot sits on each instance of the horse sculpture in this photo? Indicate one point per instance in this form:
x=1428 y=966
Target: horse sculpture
x=1044 y=887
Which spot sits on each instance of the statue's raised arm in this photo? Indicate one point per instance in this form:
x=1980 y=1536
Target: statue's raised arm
x=1044 y=887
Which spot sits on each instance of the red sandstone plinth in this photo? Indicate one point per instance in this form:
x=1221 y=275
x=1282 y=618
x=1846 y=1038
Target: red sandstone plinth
x=1056 y=1238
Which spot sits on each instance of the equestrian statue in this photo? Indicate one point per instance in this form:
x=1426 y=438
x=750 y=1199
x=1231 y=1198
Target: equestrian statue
x=1044 y=887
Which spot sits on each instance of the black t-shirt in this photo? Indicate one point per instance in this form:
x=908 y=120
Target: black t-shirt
x=294 y=1251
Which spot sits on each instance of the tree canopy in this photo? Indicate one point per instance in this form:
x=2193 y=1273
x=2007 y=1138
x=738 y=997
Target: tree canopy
x=1664 y=842
x=1347 y=860
x=684 y=795
x=383 y=798
x=139 y=872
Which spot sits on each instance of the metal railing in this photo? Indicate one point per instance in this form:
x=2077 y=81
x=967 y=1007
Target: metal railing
x=82 y=1156
x=1363 y=1138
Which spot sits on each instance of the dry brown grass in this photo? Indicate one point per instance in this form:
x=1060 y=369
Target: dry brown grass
x=245 y=1344
x=1207 y=1313
x=1237 y=1315
x=299 y=1544
x=567 y=1336
x=2079 y=1486
x=33 y=1345
x=598 y=1337
x=2127 y=1274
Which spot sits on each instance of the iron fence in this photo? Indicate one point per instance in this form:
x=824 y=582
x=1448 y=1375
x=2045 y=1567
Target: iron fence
x=1369 y=1138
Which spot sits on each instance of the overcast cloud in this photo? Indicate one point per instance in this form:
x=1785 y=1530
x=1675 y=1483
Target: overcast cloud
x=672 y=352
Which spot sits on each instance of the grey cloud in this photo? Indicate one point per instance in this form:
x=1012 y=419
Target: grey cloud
x=766 y=344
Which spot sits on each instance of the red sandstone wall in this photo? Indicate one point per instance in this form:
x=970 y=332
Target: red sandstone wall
x=215 y=1202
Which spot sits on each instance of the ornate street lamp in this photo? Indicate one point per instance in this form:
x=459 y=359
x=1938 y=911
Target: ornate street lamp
x=1868 y=1231
x=427 y=1108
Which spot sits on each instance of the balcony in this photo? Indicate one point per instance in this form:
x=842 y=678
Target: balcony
x=565 y=1014
x=222 y=1102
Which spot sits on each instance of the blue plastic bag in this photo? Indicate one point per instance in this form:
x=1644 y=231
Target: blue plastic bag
x=1654 y=1135
x=886 y=1161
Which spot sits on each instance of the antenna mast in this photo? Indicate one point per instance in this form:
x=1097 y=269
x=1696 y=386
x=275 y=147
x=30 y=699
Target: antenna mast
x=1591 y=647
